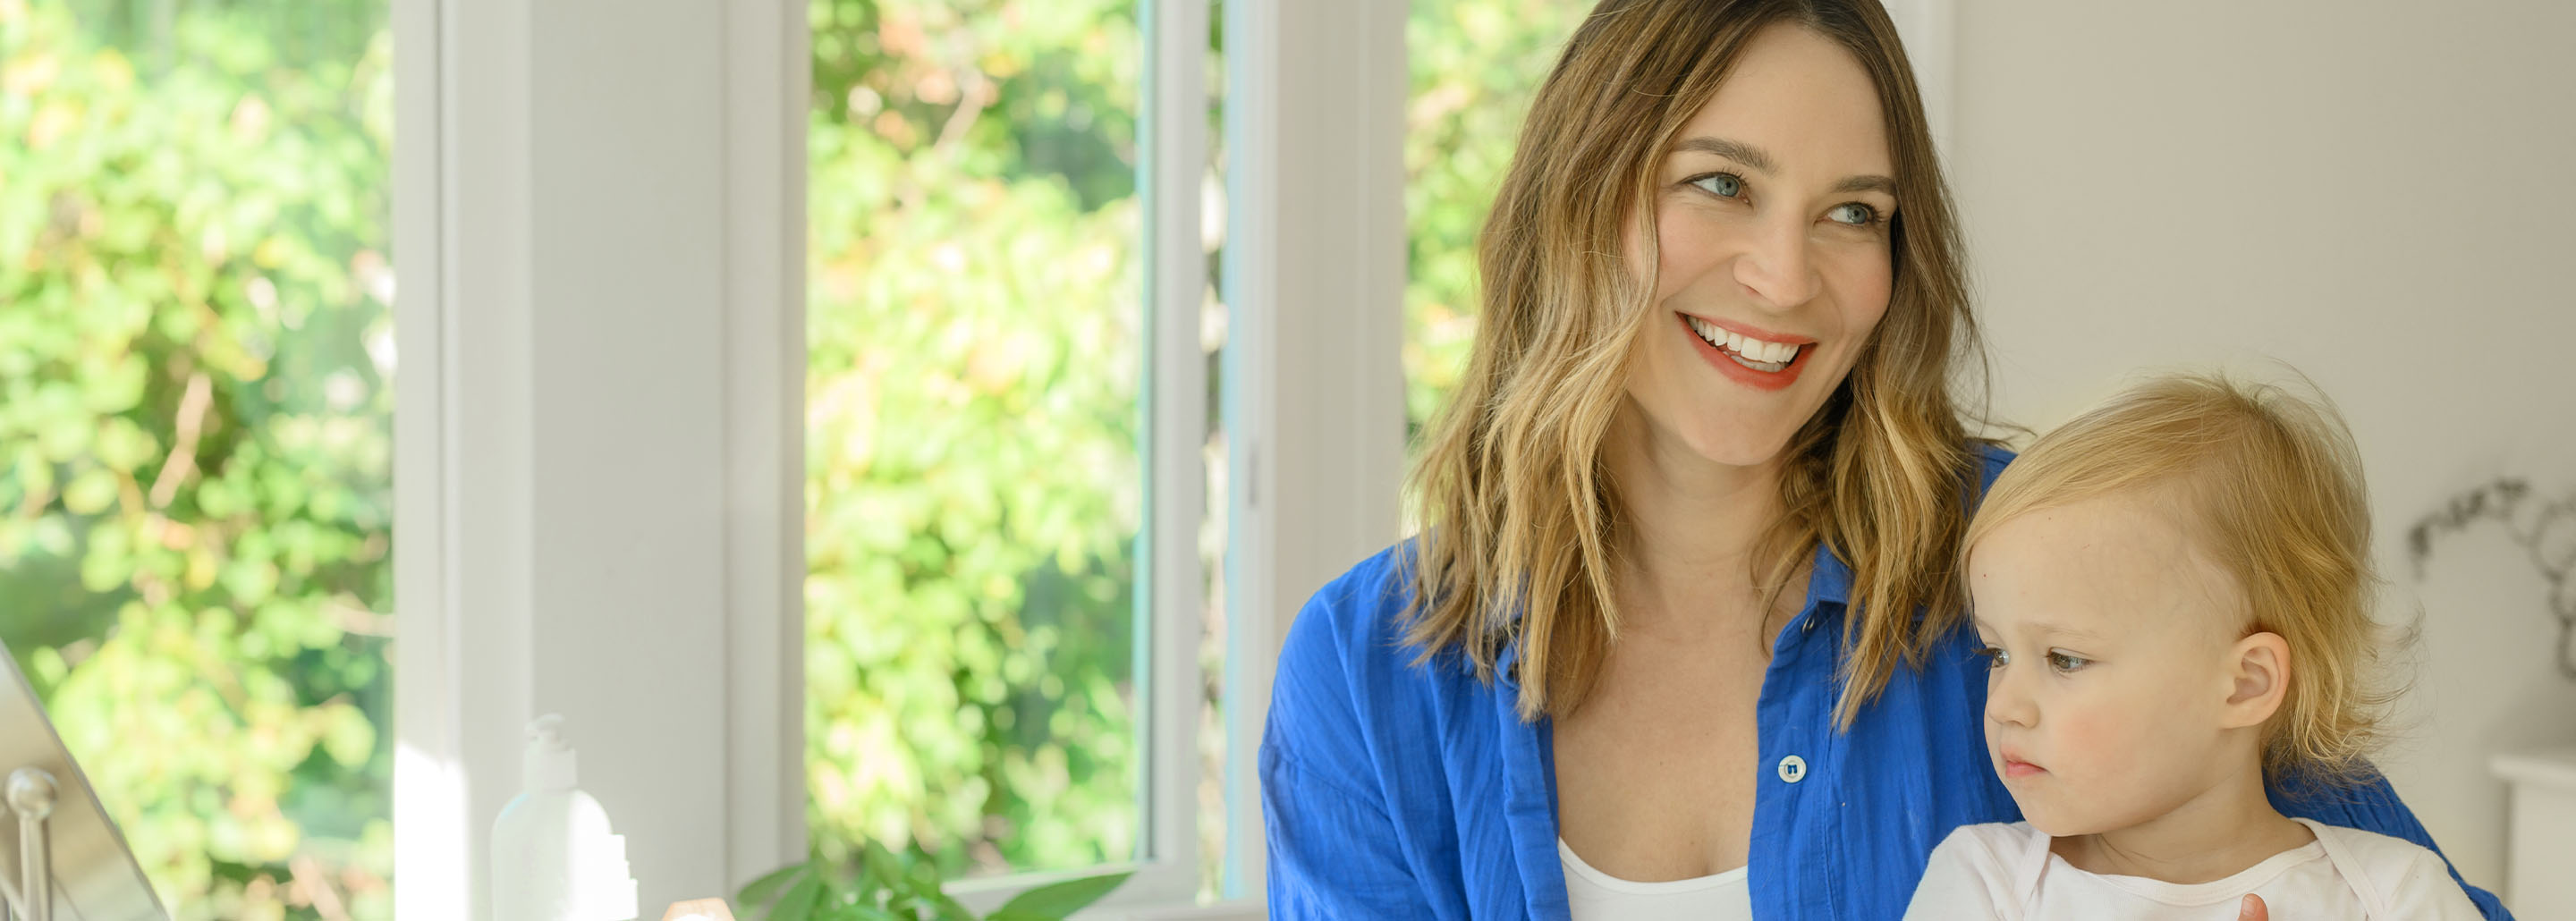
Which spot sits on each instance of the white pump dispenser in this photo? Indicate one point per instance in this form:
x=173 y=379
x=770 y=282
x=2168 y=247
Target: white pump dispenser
x=553 y=858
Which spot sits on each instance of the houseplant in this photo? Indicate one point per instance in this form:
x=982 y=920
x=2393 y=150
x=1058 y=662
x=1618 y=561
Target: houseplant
x=886 y=886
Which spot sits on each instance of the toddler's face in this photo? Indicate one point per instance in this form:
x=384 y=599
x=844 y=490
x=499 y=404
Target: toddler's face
x=2108 y=639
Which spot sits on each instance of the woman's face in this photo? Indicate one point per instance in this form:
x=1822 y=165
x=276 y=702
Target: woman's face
x=1772 y=213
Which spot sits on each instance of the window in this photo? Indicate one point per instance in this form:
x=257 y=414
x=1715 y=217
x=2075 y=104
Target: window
x=996 y=319
x=196 y=356
x=1076 y=178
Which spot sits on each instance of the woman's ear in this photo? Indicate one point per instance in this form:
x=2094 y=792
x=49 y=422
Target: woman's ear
x=2259 y=674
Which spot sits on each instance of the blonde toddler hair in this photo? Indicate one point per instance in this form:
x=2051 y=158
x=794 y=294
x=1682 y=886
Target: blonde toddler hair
x=2271 y=490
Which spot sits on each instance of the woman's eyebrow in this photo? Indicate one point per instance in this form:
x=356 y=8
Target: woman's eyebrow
x=1761 y=162
x=1737 y=151
x=1866 y=184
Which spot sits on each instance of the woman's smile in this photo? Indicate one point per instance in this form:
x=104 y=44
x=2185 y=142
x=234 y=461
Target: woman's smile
x=1762 y=361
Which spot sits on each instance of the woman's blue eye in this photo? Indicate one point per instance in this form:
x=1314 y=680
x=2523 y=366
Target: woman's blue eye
x=2066 y=663
x=1722 y=185
x=1853 y=213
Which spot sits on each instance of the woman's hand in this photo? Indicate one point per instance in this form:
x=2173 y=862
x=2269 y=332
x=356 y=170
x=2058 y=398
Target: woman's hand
x=2252 y=910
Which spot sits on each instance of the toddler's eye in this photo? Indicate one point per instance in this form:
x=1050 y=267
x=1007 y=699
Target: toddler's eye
x=1995 y=656
x=2064 y=662
x=1722 y=185
x=1853 y=213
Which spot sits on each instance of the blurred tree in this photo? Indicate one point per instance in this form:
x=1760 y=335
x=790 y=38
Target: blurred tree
x=195 y=345
x=975 y=355
x=973 y=396
x=1475 y=65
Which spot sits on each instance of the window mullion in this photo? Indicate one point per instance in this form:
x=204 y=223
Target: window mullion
x=1314 y=387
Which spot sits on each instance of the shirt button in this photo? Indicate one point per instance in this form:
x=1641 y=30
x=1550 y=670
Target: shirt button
x=1793 y=769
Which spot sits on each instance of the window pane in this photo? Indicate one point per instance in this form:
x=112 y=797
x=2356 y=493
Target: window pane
x=1475 y=64
x=195 y=425
x=976 y=338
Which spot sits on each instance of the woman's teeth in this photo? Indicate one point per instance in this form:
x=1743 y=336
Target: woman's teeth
x=1751 y=353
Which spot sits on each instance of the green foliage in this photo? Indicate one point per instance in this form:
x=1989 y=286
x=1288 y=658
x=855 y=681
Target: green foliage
x=973 y=397
x=880 y=885
x=1475 y=64
x=974 y=487
x=195 y=424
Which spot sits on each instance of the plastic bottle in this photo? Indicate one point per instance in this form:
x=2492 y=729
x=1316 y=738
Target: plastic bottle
x=553 y=858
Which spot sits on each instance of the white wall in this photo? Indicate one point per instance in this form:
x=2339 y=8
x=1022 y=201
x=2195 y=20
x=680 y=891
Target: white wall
x=2329 y=183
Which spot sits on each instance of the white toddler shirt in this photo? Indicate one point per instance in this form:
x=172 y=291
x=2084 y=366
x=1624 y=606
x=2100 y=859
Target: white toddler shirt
x=2006 y=872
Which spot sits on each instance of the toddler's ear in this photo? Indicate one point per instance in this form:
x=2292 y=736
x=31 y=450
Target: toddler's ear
x=2259 y=672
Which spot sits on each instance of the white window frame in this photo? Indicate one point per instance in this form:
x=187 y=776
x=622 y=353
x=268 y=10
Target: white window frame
x=1315 y=271
x=599 y=216
x=598 y=219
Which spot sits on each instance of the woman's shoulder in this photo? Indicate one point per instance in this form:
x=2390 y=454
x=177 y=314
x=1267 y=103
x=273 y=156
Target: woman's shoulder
x=1359 y=621
x=1382 y=582
x=1356 y=618
x=1346 y=665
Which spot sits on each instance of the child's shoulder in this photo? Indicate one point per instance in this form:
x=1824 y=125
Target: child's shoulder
x=2392 y=871
x=2373 y=852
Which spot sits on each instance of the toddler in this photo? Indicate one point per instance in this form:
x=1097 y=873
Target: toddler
x=2173 y=590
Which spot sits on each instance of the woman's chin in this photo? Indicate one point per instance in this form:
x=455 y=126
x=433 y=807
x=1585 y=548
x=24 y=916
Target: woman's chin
x=1718 y=436
x=1733 y=449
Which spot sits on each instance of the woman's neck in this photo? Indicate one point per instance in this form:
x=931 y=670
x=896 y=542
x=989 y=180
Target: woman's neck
x=2223 y=831
x=1691 y=526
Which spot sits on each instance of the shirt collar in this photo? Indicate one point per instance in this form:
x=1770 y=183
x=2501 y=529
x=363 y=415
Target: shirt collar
x=1829 y=579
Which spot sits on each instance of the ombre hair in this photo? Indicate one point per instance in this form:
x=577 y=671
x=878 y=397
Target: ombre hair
x=1518 y=513
x=2268 y=486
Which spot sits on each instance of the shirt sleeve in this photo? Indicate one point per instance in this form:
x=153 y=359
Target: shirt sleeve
x=2374 y=806
x=1335 y=853
x=1959 y=882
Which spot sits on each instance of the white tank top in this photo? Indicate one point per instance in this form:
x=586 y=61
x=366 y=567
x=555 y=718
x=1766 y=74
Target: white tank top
x=1597 y=896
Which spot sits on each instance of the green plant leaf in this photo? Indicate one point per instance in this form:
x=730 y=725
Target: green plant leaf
x=1055 y=901
x=880 y=867
x=949 y=909
x=923 y=879
x=761 y=891
x=799 y=902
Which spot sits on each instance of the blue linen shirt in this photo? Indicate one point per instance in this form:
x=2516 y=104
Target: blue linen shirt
x=1393 y=790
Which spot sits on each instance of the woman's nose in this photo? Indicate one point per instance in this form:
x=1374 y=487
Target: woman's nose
x=1776 y=266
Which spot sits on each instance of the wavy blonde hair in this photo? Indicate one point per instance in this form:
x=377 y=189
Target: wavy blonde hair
x=2270 y=488
x=1518 y=513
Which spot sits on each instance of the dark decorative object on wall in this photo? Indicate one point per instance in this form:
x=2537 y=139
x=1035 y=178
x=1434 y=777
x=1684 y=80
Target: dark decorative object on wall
x=2546 y=531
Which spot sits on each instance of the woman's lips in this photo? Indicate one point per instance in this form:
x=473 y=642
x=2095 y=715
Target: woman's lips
x=1757 y=380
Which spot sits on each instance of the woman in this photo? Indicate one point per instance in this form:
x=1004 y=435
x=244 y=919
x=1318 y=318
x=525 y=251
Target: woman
x=1682 y=634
